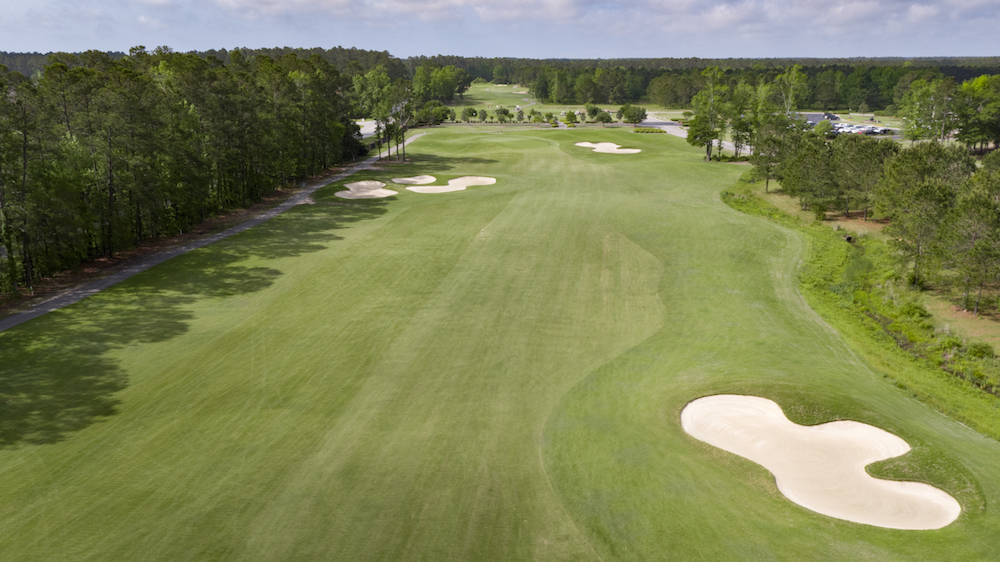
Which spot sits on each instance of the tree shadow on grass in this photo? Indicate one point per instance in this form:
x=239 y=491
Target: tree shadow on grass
x=445 y=163
x=55 y=376
x=303 y=230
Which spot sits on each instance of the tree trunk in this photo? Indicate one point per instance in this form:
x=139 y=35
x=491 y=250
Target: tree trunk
x=978 y=297
x=109 y=222
x=8 y=285
x=26 y=261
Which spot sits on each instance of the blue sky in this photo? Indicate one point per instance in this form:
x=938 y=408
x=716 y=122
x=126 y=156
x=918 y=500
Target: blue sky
x=516 y=28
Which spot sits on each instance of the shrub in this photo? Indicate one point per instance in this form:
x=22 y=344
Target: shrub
x=980 y=350
x=914 y=310
x=819 y=211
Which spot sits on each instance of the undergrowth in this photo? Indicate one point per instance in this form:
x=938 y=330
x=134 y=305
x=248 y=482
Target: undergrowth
x=854 y=285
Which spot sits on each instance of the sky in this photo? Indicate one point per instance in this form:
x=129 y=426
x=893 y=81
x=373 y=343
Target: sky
x=516 y=28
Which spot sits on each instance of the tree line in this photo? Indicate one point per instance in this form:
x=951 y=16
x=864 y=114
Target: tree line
x=98 y=153
x=943 y=211
x=940 y=108
x=858 y=88
x=863 y=84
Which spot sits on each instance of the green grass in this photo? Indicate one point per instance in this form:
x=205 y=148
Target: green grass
x=503 y=95
x=492 y=374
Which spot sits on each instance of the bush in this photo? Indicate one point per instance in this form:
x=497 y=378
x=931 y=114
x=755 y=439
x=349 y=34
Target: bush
x=914 y=310
x=819 y=211
x=730 y=158
x=981 y=350
x=647 y=130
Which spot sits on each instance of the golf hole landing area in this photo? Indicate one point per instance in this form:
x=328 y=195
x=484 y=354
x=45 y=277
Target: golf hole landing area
x=820 y=467
x=608 y=148
x=457 y=184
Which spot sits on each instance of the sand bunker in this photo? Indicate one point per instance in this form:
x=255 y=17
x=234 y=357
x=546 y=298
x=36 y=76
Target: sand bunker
x=821 y=467
x=369 y=189
x=415 y=180
x=457 y=184
x=608 y=148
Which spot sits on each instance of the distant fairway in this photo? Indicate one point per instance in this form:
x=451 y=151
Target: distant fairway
x=489 y=374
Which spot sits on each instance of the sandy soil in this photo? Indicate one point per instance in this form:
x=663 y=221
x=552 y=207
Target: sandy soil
x=821 y=467
x=608 y=148
x=457 y=184
x=415 y=180
x=368 y=189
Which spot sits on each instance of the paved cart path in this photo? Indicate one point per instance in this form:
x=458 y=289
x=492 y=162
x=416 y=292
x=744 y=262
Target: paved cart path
x=87 y=289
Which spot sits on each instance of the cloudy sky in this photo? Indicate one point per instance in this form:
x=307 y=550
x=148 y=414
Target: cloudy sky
x=516 y=28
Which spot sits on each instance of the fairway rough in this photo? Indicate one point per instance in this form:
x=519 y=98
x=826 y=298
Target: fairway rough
x=821 y=467
x=368 y=189
x=415 y=180
x=608 y=148
x=457 y=184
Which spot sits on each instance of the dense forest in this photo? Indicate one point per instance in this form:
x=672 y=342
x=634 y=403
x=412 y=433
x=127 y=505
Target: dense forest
x=98 y=153
x=843 y=83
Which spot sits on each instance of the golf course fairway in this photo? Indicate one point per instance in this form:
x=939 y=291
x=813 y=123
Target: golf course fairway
x=496 y=373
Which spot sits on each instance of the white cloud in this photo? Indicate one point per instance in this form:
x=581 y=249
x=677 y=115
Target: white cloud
x=920 y=13
x=152 y=24
x=531 y=28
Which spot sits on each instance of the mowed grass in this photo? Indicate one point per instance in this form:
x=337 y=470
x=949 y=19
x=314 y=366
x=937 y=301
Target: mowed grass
x=491 y=374
x=490 y=96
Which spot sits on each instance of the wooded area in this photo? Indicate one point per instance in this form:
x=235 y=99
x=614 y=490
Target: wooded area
x=98 y=153
x=943 y=210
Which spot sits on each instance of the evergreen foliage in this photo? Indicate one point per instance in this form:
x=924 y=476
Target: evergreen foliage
x=99 y=153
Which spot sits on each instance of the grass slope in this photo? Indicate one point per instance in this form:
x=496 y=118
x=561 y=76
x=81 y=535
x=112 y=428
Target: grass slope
x=495 y=373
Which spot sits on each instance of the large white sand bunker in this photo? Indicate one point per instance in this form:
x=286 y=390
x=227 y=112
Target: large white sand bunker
x=608 y=148
x=457 y=184
x=368 y=189
x=415 y=180
x=820 y=467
